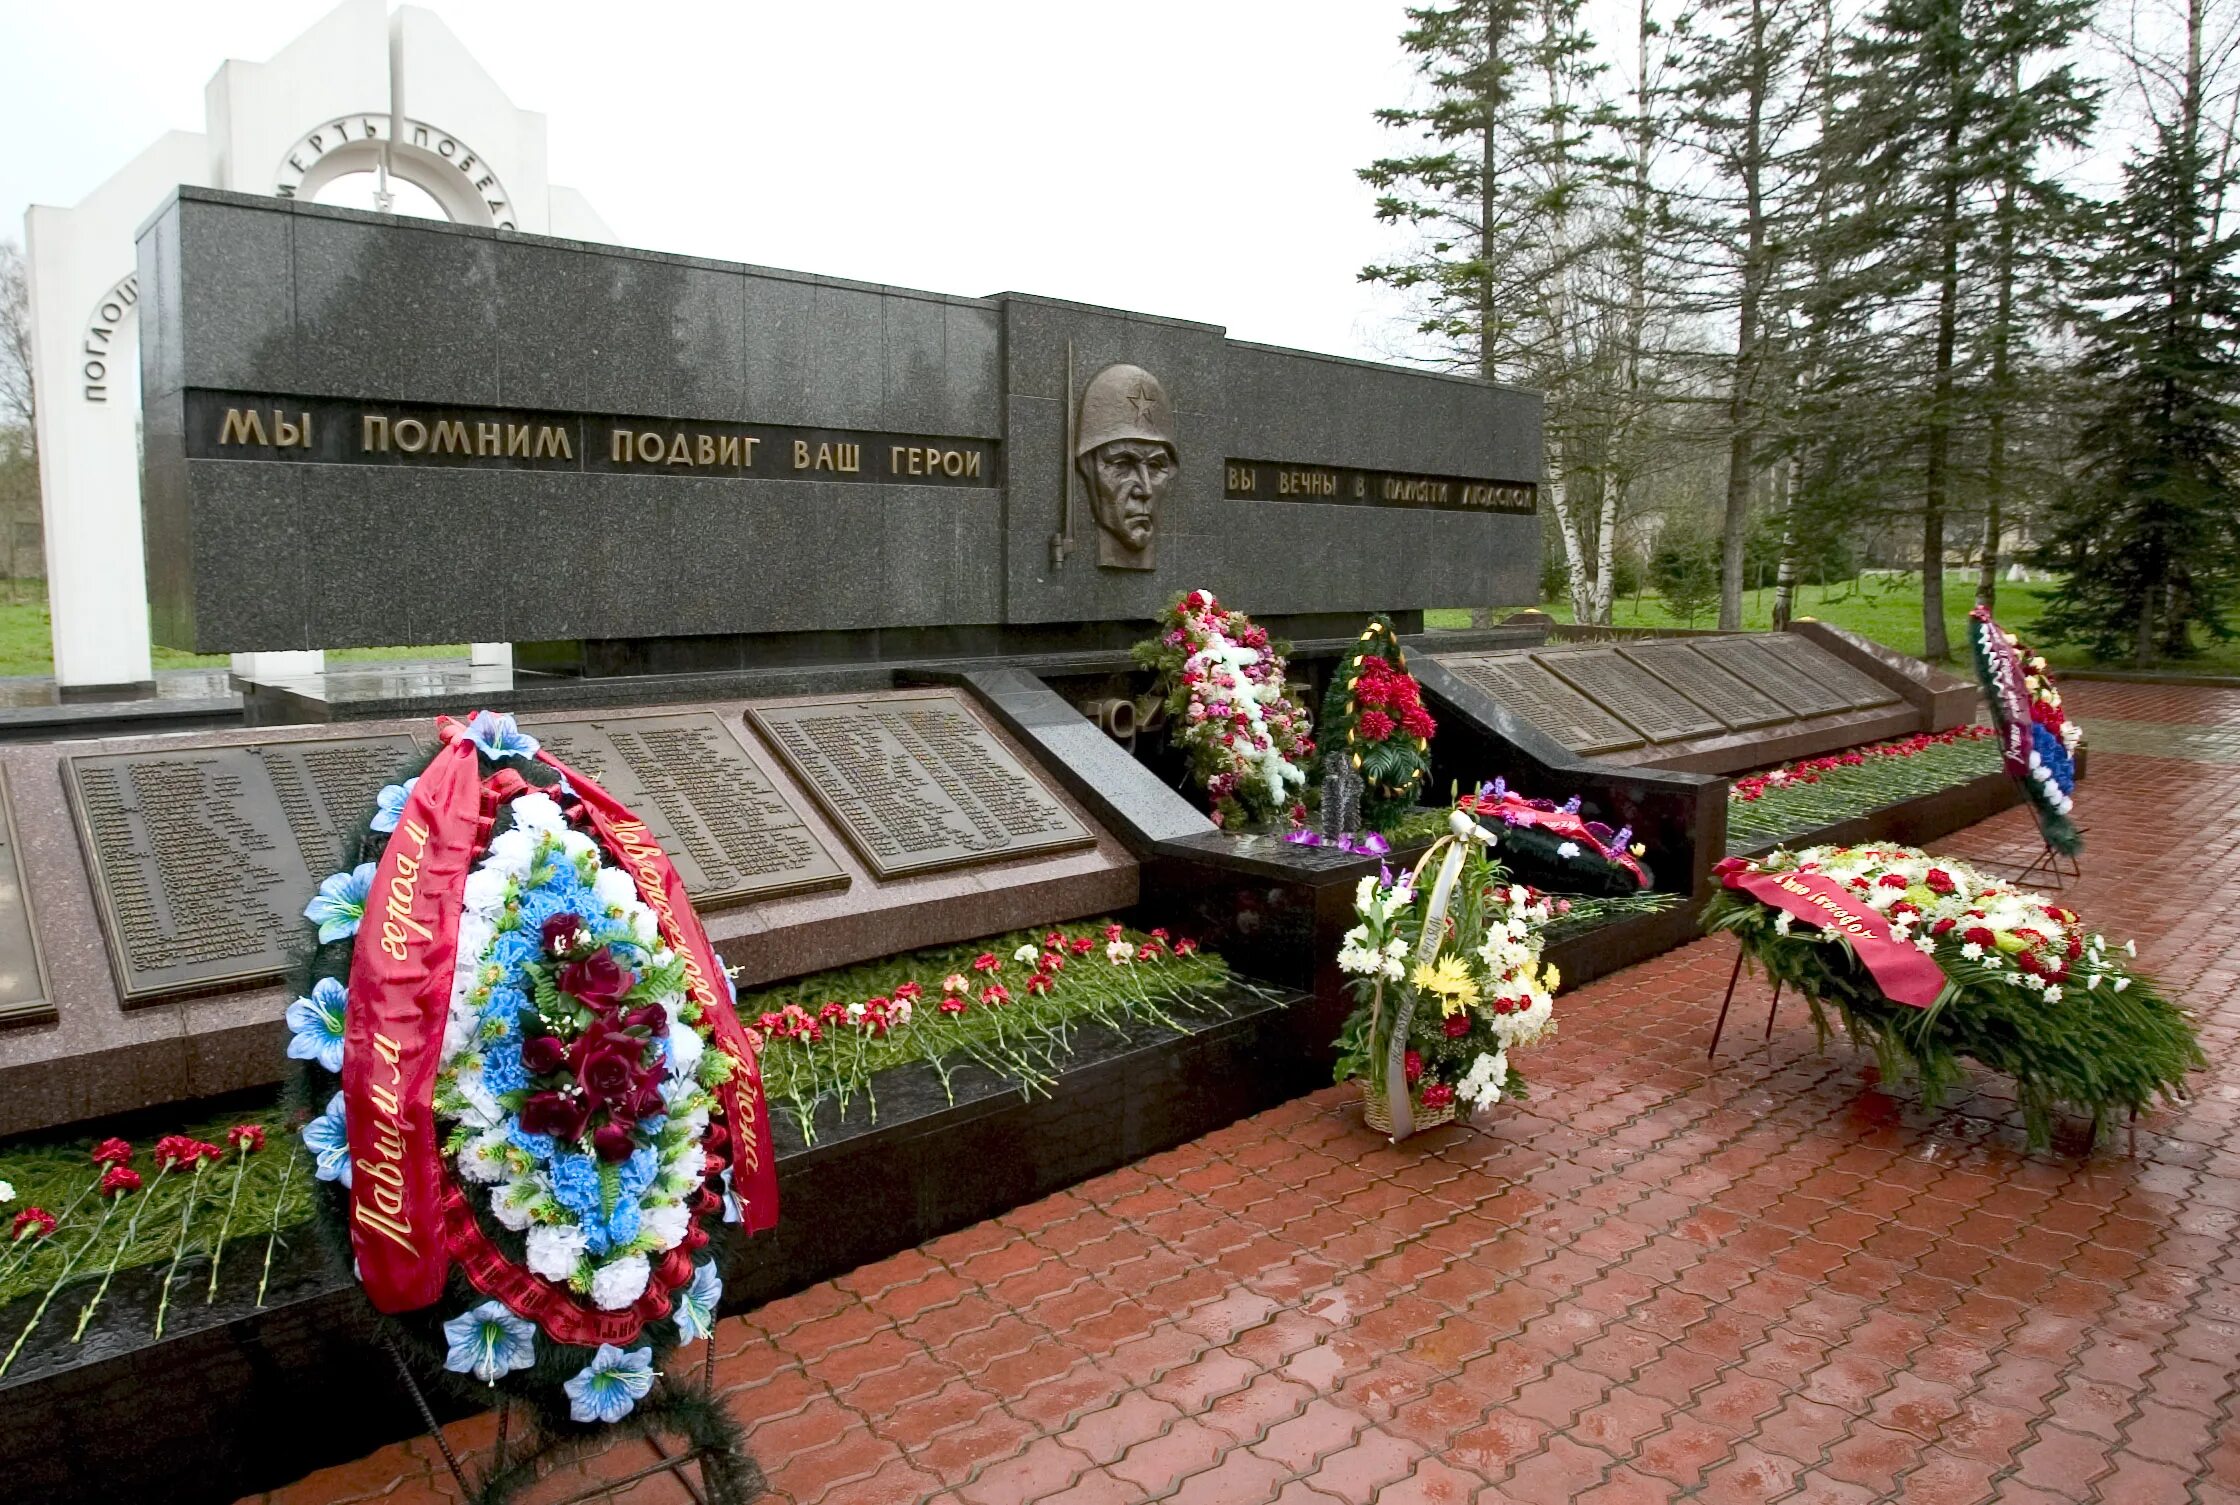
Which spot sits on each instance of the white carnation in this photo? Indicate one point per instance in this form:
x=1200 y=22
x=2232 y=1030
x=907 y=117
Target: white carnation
x=512 y=853
x=475 y=935
x=613 y=888
x=684 y=1048
x=483 y=1109
x=616 y=1285
x=460 y=1025
x=485 y=891
x=509 y=1204
x=484 y=1158
x=667 y=1224
x=555 y=1249
x=577 y=846
x=538 y=812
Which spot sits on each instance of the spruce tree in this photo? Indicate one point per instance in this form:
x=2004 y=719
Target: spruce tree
x=2148 y=537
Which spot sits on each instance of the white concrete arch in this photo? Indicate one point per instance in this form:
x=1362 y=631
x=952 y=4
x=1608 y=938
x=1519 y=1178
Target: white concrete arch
x=364 y=90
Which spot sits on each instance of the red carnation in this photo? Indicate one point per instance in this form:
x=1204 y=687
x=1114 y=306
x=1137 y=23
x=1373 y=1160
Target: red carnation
x=597 y=981
x=952 y=1004
x=1939 y=881
x=118 y=1179
x=1412 y=1065
x=995 y=993
x=1437 y=1095
x=1457 y=1026
x=1183 y=946
x=33 y=1222
x=1942 y=927
x=1081 y=945
x=986 y=961
x=247 y=1138
x=174 y=1150
x=1980 y=936
x=909 y=992
x=1893 y=880
x=564 y=933
x=1039 y=983
x=112 y=1152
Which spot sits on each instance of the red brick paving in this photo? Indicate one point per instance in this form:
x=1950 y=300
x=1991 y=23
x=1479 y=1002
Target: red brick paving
x=1761 y=1280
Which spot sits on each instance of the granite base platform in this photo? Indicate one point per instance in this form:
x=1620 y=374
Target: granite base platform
x=273 y=1393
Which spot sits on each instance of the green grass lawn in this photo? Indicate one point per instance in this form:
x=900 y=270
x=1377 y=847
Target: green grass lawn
x=1886 y=608
x=26 y=646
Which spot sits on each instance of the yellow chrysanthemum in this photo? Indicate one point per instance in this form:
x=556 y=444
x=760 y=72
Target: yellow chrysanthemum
x=1450 y=979
x=1549 y=977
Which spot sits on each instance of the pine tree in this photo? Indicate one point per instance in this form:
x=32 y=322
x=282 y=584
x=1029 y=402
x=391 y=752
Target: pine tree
x=2149 y=536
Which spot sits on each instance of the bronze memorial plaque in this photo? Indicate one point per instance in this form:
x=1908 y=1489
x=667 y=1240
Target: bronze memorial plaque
x=203 y=858
x=1545 y=701
x=917 y=782
x=23 y=970
x=1648 y=705
x=1742 y=657
x=733 y=834
x=1737 y=702
x=1857 y=691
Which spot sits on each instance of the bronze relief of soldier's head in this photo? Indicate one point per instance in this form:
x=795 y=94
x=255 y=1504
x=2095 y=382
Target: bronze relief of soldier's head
x=1124 y=448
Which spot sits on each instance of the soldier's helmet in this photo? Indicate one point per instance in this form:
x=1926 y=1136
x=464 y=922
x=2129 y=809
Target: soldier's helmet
x=1123 y=402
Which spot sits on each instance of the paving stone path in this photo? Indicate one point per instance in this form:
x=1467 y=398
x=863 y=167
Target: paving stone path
x=1663 y=1278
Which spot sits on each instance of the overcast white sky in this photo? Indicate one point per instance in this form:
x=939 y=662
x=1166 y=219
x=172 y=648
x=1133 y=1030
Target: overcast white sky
x=1185 y=157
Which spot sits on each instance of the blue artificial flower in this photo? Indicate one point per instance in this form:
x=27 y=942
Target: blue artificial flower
x=610 y=1385
x=388 y=805
x=488 y=1342
x=317 y=1022
x=575 y=1186
x=538 y=1146
x=506 y=1004
x=498 y=737
x=329 y=1141
x=696 y=1303
x=2055 y=755
x=541 y=904
x=502 y=1071
x=340 y=903
x=517 y=948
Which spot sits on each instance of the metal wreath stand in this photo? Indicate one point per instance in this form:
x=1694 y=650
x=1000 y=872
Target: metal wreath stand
x=673 y=1464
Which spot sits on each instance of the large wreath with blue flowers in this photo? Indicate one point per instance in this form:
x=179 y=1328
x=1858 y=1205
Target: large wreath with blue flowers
x=534 y=1104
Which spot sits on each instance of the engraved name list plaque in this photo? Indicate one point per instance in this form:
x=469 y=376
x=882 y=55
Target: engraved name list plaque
x=917 y=782
x=733 y=834
x=202 y=858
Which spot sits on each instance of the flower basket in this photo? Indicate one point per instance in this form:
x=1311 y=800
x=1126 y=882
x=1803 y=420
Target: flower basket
x=1376 y=1111
x=1927 y=960
x=1448 y=982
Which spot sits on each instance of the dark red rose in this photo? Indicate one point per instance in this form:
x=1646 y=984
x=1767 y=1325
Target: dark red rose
x=598 y=980
x=610 y=1072
x=645 y=1098
x=543 y=1054
x=555 y=1113
x=652 y=1019
x=563 y=933
x=611 y=1142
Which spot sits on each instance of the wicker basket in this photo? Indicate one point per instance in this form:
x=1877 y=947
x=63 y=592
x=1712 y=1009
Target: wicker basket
x=1378 y=1112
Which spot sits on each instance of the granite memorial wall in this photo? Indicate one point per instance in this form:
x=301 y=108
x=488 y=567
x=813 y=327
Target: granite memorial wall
x=367 y=431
